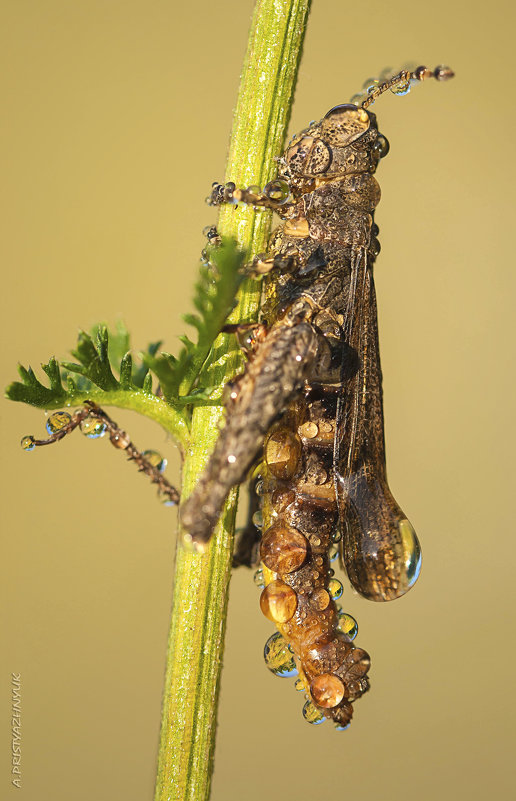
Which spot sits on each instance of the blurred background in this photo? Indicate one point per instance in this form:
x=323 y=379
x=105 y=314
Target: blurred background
x=116 y=121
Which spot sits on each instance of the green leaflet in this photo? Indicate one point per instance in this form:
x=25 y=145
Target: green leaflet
x=214 y=299
x=104 y=371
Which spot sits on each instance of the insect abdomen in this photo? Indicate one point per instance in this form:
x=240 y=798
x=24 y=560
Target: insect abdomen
x=300 y=519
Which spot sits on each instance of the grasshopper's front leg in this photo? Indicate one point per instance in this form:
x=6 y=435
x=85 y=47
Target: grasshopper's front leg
x=277 y=371
x=275 y=196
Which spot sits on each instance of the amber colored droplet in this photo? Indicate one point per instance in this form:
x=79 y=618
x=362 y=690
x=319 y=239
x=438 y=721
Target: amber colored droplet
x=325 y=427
x=278 y=602
x=119 y=439
x=283 y=549
x=327 y=690
x=309 y=430
x=282 y=452
x=320 y=600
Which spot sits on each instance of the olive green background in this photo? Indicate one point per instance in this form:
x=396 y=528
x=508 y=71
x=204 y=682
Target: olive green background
x=116 y=116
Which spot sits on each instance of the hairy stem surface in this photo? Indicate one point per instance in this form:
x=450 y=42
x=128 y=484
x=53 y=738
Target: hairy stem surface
x=196 y=639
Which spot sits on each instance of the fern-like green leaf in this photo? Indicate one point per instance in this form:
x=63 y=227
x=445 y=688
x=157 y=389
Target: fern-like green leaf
x=214 y=298
x=93 y=378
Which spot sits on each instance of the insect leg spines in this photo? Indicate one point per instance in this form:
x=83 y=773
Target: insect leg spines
x=275 y=196
x=276 y=372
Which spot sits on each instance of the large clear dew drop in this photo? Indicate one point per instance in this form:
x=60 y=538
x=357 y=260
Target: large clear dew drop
x=155 y=459
x=57 y=421
x=279 y=658
x=312 y=715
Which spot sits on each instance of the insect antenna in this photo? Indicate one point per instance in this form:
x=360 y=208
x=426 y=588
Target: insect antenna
x=401 y=83
x=94 y=423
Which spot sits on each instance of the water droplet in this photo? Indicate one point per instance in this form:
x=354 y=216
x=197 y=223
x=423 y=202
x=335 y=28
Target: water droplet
x=358 y=99
x=259 y=488
x=312 y=715
x=57 y=421
x=120 y=439
x=320 y=599
x=156 y=459
x=279 y=658
x=283 y=549
x=411 y=552
x=277 y=190
x=335 y=588
x=258 y=578
x=348 y=625
x=278 y=602
x=28 y=443
x=381 y=146
x=299 y=685
x=333 y=553
x=443 y=73
x=282 y=453
x=309 y=430
x=254 y=189
x=327 y=690
x=257 y=519
x=336 y=535
x=370 y=85
x=401 y=88
x=340 y=727
x=92 y=428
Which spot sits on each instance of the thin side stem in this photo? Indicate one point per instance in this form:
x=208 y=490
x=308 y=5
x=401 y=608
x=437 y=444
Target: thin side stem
x=196 y=640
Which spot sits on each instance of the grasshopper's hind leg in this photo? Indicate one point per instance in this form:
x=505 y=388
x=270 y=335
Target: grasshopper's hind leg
x=274 y=375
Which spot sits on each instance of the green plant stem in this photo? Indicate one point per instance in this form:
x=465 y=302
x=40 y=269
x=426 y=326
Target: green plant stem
x=195 y=648
x=173 y=420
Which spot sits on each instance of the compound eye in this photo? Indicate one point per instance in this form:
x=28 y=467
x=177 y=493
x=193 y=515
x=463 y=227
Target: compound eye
x=298 y=153
x=344 y=124
x=320 y=158
x=309 y=156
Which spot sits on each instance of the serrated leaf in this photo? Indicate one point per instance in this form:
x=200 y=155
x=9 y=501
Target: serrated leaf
x=126 y=369
x=31 y=390
x=93 y=358
x=166 y=368
x=140 y=372
x=93 y=379
x=92 y=371
x=147 y=383
x=214 y=299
